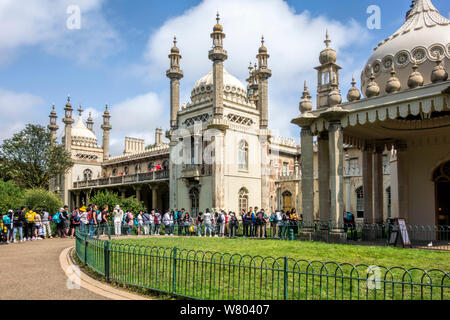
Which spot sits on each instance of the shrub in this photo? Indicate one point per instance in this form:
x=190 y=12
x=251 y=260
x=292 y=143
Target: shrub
x=40 y=199
x=11 y=196
x=112 y=199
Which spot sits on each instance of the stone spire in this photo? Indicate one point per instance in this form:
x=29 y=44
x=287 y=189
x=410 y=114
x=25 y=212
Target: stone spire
x=439 y=73
x=252 y=84
x=373 y=89
x=327 y=73
x=218 y=55
x=415 y=78
x=175 y=74
x=353 y=93
x=106 y=127
x=305 y=103
x=90 y=122
x=53 y=126
x=393 y=84
x=263 y=74
x=334 y=97
x=68 y=121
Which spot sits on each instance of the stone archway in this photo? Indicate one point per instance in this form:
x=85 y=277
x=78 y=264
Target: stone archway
x=441 y=178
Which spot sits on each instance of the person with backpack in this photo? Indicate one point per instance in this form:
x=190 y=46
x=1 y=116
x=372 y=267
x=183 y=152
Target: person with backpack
x=74 y=221
x=38 y=230
x=221 y=222
x=293 y=219
x=234 y=224
x=84 y=218
x=167 y=220
x=208 y=222
x=260 y=223
x=157 y=222
x=199 y=222
x=30 y=217
x=57 y=219
x=129 y=221
x=146 y=223
x=18 y=221
x=46 y=224
x=246 y=222
x=273 y=219
x=66 y=219
x=7 y=221
x=180 y=221
x=139 y=222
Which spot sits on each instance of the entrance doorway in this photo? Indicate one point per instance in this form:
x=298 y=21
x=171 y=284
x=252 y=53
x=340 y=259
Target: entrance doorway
x=441 y=179
x=287 y=201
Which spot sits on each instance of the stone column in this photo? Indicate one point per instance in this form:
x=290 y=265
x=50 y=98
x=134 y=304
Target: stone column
x=324 y=177
x=77 y=199
x=399 y=188
x=307 y=177
x=87 y=198
x=174 y=101
x=368 y=183
x=122 y=193
x=155 y=198
x=218 y=171
x=265 y=192
x=378 y=185
x=336 y=135
x=173 y=189
x=138 y=192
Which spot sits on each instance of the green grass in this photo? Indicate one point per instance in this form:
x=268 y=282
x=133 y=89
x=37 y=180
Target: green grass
x=250 y=269
x=311 y=251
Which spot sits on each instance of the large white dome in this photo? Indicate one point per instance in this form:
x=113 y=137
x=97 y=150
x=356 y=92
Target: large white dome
x=231 y=86
x=80 y=132
x=424 y=35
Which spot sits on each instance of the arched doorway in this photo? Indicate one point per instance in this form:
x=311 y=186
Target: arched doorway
x=359 y=202
x=194 y=194
x=441 y=177
x=287 y=201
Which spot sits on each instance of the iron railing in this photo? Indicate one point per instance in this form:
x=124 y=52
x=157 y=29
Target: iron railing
x=224 y=276
x=422 y=236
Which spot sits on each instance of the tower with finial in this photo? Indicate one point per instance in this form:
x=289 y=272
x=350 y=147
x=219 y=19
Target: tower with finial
x=327 y=74
x=68 y=121
x=353 y=94
x=252 y=87
x=90 y=122
x=106 y=127
x=175 y=74
x=305 y=103
x=264 y=73
x=218 y=55
x=53 y=126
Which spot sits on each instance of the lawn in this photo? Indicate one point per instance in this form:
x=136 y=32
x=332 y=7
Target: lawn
x=252 y=269
x=310 y=251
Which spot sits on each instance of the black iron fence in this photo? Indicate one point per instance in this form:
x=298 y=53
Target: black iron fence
x=209 y=275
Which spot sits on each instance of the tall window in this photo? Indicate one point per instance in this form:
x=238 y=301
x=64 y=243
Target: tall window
x=285 y=168
x=360 y=202
x=389 y=201
x=243 y=155
x=243 y=200
x=194 y=194
x=87 y=174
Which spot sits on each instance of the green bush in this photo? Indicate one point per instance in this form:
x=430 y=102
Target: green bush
x=112 y=199
x=11 y=196
x=40 y=199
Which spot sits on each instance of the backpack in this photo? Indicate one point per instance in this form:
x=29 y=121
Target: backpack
x=99 y=217
x=156 y=219
x=259 y=217
x=274 y=217
x=7 y=220
x=56 y=218
x=220 y=220
x=76 y=217
x=127 y=218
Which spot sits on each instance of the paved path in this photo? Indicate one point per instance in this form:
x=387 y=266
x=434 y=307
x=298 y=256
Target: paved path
x=32 y=271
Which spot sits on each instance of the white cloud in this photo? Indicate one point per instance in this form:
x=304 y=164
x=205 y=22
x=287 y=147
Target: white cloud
x=294 y=41
x=16 y=110
x=42 y=23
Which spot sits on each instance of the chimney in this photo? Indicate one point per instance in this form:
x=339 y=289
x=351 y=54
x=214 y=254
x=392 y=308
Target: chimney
x=133 y=145
x=158 y=136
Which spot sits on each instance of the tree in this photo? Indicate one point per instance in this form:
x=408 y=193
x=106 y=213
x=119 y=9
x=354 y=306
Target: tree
x=11 y=196
x=41 y=199
x=112 y=199
x=31 y=159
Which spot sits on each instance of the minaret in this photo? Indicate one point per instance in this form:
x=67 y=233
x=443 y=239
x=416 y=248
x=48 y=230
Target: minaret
x=218 y=55
x=327 y=74
x=252 y=87
x=53 y=127
x=106 y=127
x=68 y=121
x=90 y=122
x=174 y=74
x=264 y=73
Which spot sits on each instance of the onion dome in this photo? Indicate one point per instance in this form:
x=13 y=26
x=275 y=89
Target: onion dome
x=373 y=89
x=218 y=27
x=262 y=49
x=175 y=48
x=353 y=93
x=327 y=55
x=305 y=103
x=334 y=97
x=423 y=37
x=415 y=78
x=393 y=84
x=439 y=73
x=80 y=133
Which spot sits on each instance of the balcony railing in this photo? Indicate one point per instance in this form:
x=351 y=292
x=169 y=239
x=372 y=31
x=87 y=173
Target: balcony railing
x=128 y=179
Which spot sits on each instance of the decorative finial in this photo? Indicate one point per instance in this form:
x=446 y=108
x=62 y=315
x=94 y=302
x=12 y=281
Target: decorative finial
x=106 y=107
x=353 y=94
x=415 y=79
x=327 y=39
x=439 y=73
x=305 y=86
x=262 y=40
x=218 y=17
x=53 y=106
x=372 y=89
x=305 y=103
x=68 y=98
x=393 y=84
x=174 y=40
x=80 y=110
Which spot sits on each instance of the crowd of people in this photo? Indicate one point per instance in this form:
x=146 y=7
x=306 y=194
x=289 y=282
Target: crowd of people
x=25 y=224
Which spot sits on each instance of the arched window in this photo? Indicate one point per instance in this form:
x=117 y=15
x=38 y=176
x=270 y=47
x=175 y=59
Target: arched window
x=137 y=168
x=359 y=202
x=243 y=200
x=166 y=165
x=114 y=172
x=87 y=174
x=125 y=170
x=151 y=167
x=243 y=155
x=194 y=194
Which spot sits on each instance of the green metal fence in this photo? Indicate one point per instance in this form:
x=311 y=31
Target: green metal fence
x=209 y=275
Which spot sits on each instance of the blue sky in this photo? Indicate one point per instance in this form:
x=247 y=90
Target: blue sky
x=119 y=56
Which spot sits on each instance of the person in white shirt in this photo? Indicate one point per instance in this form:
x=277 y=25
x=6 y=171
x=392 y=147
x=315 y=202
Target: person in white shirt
x=167 y=221
x=118 y=219
x=140 y=222
x=46 y=224
x=152 y=223
x=207 y=217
